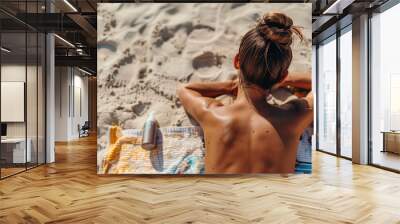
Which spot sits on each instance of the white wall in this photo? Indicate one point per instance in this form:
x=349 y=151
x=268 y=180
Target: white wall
x=80 y=84
x=16 y=73
x=69 y=82
x=33 y=127
x=61 y=103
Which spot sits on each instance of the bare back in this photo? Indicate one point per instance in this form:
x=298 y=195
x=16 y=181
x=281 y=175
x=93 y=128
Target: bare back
x=240 y=139
x=248 y=135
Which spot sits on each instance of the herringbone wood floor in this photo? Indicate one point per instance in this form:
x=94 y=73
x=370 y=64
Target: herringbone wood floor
x=69 y=191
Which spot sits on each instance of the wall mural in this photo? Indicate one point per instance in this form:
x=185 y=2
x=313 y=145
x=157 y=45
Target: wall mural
x=204 y=88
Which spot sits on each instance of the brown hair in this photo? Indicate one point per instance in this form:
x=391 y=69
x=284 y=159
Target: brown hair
x=265 y=53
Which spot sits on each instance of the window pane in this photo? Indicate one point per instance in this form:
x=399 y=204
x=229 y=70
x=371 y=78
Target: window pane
x=41 y=99
x=385 y=84
x=346 y=94
x=327 y=96
x=13 y=86
x=31 y=97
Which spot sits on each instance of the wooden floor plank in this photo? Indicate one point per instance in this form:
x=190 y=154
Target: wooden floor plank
x=70 y=191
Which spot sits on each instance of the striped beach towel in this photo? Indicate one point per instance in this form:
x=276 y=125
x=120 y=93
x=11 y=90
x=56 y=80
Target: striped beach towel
x=303 y=159
x=181 y=151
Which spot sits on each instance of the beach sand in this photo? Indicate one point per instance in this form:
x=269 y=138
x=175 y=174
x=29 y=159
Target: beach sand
x=146 y=50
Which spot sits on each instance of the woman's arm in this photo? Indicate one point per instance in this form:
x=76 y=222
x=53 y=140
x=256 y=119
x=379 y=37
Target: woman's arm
x=303 y=106
x=298 y=80
x=212 y=89
x=198 y=98
x=301 y=81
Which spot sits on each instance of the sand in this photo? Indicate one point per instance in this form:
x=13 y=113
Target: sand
x=146 y=50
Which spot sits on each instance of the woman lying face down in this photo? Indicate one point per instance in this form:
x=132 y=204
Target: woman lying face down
x=250 y=135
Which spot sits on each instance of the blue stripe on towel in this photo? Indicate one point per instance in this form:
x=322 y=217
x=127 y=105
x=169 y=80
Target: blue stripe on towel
x=303 y=160
x=302 y=167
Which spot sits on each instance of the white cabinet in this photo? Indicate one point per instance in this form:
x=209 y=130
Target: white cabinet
x=16 y=147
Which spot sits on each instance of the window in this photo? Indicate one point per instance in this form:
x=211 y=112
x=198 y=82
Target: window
x=346 y=92
x=385 y=89
x=327 y=95
x=22 y=101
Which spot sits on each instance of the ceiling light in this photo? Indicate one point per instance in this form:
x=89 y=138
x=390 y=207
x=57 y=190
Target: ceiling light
x=84 y=71
x=338 y=6
x=70 y=5
x=64 y=40
x=80 y=51
x=5 y=50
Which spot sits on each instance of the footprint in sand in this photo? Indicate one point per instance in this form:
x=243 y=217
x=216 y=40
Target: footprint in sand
x=207 y=59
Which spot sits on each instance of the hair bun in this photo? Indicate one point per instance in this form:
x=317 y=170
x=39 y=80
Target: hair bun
x=278 y=28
